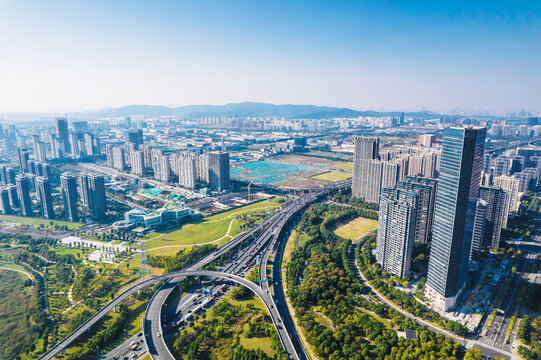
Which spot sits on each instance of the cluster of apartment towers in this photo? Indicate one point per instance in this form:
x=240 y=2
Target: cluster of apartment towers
x=456 y=213
x=210 y=168
x=15 y=191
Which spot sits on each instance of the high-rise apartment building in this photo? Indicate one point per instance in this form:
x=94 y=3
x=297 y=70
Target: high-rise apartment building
x=137 y=162
x=163 y=169
x=219 y=170
x=479 y=228
x=23 y=157
x=69 y=194
x=13 y=196
x=494 y=214
x=456 y=200
x=426 y=192
x=119 y=158
x=84 y=189
x=97 y=196
x=109 y=155
x=5 y=204
x=203 y=168
x=43 y=191
x=396 y=230
x=510 y=185
x=187 y=171
x=366 y=150
x=23 y=193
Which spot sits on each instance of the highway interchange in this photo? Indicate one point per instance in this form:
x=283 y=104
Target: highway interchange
x=262 y=235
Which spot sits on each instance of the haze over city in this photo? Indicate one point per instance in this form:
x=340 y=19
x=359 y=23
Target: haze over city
x=270 y=180
x=70 y=56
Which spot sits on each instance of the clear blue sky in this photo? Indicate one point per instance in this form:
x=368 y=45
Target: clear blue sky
x=438 y=55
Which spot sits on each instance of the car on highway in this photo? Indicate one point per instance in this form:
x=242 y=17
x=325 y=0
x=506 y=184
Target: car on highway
x=158 y=334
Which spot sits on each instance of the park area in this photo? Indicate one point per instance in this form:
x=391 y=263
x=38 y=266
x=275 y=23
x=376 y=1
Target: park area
x=355 y=228
x=216 y=229
x=293 y=171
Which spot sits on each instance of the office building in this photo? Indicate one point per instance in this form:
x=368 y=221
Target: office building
x=454 y=213
x=69 y=194
x=366 y=150
x=23 y=193
x=97 y=197
x=219 y=170
x=396 y=230
x=135 y=137
x=5 y=204
x=425 y=189
x=63 y=134
x=43 y=191
x=80 y=126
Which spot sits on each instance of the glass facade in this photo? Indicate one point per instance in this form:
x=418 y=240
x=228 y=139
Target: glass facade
x=457 y=194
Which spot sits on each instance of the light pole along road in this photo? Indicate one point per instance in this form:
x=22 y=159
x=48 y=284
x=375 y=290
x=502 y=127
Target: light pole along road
x=87 y=325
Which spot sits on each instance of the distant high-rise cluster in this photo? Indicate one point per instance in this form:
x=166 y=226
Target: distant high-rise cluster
x=374 y=170
x=190 y=168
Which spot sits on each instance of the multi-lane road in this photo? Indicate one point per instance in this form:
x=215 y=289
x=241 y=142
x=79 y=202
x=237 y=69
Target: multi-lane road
x=270 y=226
x=239 y=264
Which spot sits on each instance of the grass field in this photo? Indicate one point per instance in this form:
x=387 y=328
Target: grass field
x=38 y=222
x=355 y=228
x=346 y=165
x=15 y=300
x=333 y=176
x=217 y=229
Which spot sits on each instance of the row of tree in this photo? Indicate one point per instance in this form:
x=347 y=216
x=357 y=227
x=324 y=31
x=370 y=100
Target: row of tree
x=336 y=319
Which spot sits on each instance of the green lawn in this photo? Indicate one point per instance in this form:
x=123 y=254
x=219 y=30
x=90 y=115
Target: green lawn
x=37 y=222
x=207 y=230
x=65 y=250
x=15 y=300
x=333 y=176
x=346 y=165
x=355 y=228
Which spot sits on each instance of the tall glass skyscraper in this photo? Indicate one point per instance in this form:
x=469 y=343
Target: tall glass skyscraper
x=456 y=199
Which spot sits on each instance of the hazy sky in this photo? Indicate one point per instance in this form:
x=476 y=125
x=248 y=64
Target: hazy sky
x=79 y=55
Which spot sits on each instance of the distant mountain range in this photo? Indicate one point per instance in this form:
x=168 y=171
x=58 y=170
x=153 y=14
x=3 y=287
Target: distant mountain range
x=244 y=109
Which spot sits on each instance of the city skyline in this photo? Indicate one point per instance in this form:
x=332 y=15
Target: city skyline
x=66 y=57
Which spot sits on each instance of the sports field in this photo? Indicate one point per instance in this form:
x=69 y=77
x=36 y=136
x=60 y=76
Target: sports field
x=217 y=229
x=355 y=228
x=333 y=176
x=346 y=165
x=37 y=222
